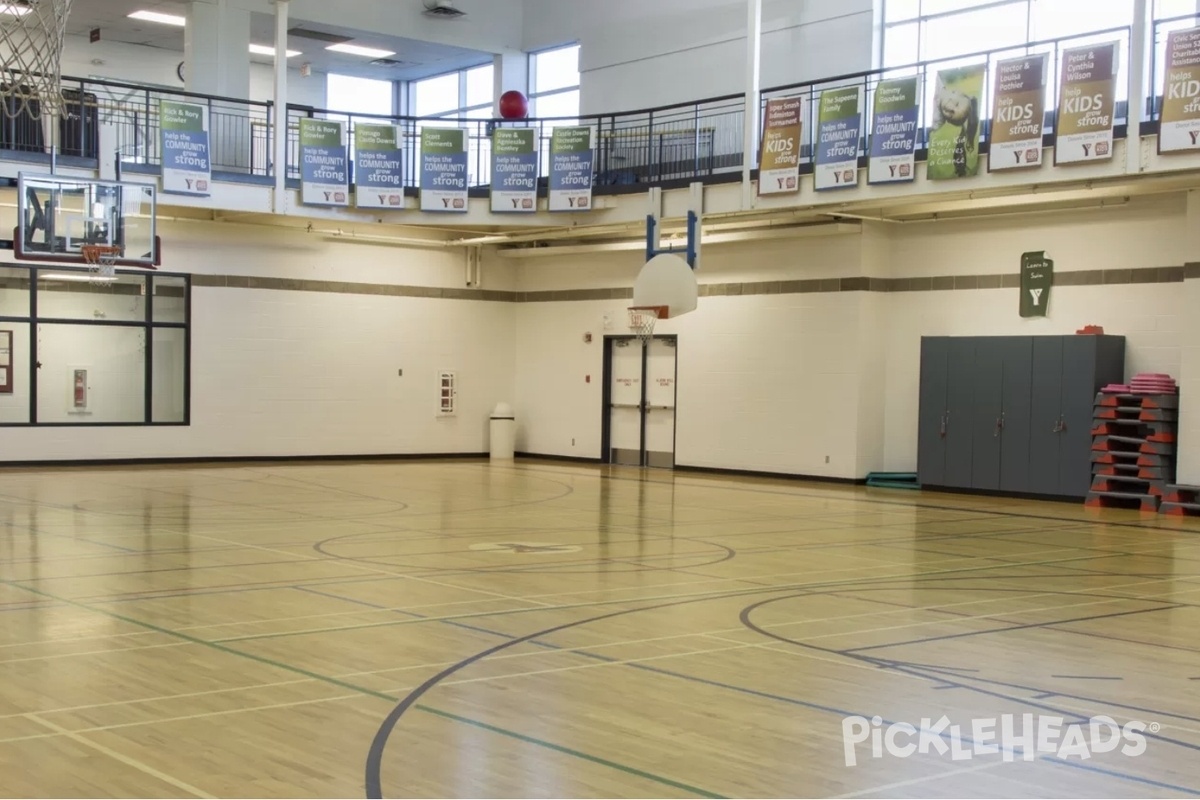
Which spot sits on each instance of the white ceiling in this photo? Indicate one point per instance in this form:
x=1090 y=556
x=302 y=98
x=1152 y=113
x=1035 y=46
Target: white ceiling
x=419 y=59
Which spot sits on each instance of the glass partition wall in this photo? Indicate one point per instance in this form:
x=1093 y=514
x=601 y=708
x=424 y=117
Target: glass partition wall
x=78 y=348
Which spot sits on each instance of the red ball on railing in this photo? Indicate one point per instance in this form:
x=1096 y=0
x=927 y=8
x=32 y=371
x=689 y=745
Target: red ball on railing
x=513 y=105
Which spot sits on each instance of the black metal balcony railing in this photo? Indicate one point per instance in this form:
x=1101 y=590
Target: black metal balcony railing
x=677 y=143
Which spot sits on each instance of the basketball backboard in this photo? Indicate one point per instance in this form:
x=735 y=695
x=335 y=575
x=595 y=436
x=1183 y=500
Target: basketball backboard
x=57 y=216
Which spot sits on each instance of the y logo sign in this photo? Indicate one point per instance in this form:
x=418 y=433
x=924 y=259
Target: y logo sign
x=1195 y=137
x=1087 y=150
x=1036 y=294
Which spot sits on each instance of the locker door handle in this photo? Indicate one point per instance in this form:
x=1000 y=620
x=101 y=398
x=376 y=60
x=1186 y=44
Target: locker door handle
x=999 y=424
x=1059 y=427
x=945 y=419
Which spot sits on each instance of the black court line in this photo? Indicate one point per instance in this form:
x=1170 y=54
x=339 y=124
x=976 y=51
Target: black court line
x=1090 y=677
x=1026 y=626
x=375 y=754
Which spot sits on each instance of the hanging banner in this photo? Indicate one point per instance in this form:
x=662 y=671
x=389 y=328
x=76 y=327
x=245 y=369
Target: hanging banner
x=186 y=166
x=324 y=170
x=378 y=167
x=839 y=127
x=954 y=139
x=779 y=157
x=571 y=161
x=444 y=169
x=1179 y=125
x=1037 y=276
x=894 y=132
x=1018 y=110
x=514 y=170
x=1086 y=104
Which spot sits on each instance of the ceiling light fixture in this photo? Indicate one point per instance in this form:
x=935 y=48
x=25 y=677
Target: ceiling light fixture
x=162 y=19
x=356 y=50
x=267 y=50
x=14 y=9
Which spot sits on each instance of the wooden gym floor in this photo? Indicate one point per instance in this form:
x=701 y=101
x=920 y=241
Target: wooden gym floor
x=545 y=630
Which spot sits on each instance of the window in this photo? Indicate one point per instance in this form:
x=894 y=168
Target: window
x=466 y=94
x=108 y=351
x=554 y=80
x=929 y=30
x=352 y=95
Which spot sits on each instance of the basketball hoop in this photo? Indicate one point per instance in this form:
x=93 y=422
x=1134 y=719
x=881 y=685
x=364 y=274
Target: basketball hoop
x=31 y=35
x=642 y=319
x=101 y=259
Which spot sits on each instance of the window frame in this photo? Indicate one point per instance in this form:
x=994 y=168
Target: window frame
x=147 y=325
x=534 y=96
x=459 y=112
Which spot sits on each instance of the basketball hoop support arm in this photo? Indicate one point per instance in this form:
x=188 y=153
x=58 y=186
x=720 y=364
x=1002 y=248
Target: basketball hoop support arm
x=693 y=230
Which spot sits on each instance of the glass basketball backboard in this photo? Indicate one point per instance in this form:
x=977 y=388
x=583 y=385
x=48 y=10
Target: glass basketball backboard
x=57 y=216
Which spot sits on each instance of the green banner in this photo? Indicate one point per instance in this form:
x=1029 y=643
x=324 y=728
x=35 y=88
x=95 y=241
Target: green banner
x=1037 y=276
x=183 y=141
x=320 y=133
x=1179 y=127
x=954 y=141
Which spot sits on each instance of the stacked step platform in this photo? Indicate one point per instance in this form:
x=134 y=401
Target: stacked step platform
x=1133 y=446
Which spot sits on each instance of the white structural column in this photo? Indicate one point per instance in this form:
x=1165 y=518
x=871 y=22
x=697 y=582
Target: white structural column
x=511 y=72
x=216 y=48
x=279 y=120
x=1140 y=37
x=753 y=86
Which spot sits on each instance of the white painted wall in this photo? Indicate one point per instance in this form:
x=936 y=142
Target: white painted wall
x=305 y=373
x=697 y=48
x=778 y=382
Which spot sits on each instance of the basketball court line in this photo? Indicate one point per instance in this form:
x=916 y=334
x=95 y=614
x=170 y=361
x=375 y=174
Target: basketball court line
x=351 y=686
x=121 y=757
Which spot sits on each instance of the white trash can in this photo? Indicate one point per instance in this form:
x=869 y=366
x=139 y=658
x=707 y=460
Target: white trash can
x=503 y=433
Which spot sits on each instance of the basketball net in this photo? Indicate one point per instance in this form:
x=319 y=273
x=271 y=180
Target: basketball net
x=642 y=319
x=101 y=260
x=31 y=43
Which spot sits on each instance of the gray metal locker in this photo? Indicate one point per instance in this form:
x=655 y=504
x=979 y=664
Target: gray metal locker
x=1046 y=415
x=960 y=404
x=1018 y=411
x=931 y=422
x=986 y=424
x=1015 y=414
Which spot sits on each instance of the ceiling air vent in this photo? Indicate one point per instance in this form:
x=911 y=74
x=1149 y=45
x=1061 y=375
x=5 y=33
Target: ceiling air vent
x=320 y=36
x=386 y=62
x=442 y=9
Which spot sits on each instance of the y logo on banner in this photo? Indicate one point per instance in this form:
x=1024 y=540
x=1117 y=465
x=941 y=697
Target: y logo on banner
x=1037 y=276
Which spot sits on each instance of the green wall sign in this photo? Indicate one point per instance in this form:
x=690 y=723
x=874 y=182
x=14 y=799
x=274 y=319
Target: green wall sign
x=1037 y=276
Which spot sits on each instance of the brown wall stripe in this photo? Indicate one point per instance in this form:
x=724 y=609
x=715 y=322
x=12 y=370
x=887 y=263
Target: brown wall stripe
x=940 y=283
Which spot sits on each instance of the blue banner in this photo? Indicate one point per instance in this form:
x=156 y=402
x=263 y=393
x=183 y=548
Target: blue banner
x=186 y=166
x=324 y=166
x=514 y=170
x=443 y=170
x=894 y=132
x=378 y=167
x=571 y=160
x=839 y=124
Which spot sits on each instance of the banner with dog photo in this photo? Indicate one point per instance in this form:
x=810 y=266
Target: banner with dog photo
x=779 y=157
x=894 y=132
x=1086 y=104
x=1018 y=111
x=954 y=134
x=1179 y=127
x=839 y=125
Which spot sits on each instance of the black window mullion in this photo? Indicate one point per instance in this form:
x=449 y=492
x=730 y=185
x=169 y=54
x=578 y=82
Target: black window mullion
x=148 y=352
x=33 y=348
x=187 y=350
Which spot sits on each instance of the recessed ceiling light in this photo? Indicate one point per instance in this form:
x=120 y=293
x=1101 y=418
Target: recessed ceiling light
x=355 y=50
x=162 y=19
x=14 y=9
x=267 y=50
